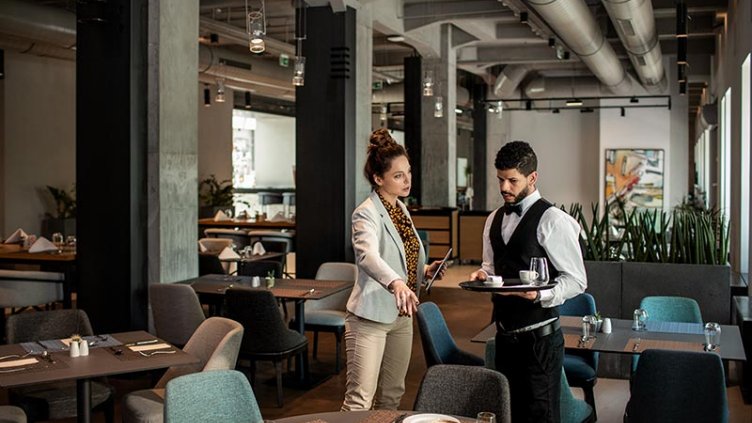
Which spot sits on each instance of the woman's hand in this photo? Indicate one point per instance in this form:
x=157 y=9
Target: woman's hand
x=407 y=302
x=433 y=267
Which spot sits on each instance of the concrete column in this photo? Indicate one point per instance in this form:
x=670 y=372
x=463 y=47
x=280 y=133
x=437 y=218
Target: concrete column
x=439 y=134
x=363 y=94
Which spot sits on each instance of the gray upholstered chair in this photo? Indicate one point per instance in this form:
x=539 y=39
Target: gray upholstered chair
x=216 y=344
x=52 y=401
x=286 y=236
x=678 y=386
x=217 y=396
x=438 y=345
x=176 y=310
x=11 y=414
x=238 y=236
x=328 y=314
x=464 y=391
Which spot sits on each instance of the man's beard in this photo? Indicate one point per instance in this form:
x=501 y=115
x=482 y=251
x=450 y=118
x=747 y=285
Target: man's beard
x=521 y=196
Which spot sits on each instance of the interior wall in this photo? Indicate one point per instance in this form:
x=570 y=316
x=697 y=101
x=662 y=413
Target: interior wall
x=39 y=137
x=214 y=136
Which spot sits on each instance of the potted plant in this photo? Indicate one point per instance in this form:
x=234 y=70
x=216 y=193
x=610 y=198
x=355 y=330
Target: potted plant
x=214 y=195
x=63 y=219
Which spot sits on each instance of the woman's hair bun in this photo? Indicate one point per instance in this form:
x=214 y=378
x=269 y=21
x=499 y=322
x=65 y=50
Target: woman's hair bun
x=380 y=138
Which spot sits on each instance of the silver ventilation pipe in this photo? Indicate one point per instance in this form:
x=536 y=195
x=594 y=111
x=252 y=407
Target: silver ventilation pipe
x=47 y=24
x=571 y=88
x=36 y=48
x=260 y=73
x=509 y=79
x=576 y=26
x=635 y=23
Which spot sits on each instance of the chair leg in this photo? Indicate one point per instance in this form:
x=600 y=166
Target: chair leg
x=304 y=366
x=315 y=344
x=338 y=345
x=278 y=369
x=590 y=399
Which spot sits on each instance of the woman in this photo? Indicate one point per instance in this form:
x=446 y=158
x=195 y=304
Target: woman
x=391 y=270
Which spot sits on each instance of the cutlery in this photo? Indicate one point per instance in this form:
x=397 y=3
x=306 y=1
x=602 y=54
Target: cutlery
x=149 y=354
x=15 y=356
x=636 y=346
x=13 y=370
x=146 y=342
x=310 y=291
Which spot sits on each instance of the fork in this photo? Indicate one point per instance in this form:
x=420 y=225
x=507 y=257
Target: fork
x=149 y=354
x=15 y=356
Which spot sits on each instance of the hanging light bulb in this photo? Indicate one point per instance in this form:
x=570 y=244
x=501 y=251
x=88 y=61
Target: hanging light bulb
x=428 y=83
x=247 y=99
x=298 y=78
x=256 y=28
x=382 y=113
x=207 y=95
x=220 y=97
x=499 y=109
x=438 y=107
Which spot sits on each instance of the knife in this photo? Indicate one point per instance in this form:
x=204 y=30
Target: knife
x=146 y=342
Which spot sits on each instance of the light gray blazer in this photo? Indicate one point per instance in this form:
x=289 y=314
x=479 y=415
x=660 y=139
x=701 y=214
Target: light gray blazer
x=380 y=256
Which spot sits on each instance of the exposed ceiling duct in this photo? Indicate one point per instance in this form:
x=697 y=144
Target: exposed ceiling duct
x=509 y=79
x=572 y=21
x=395 y=93
x=635 y=24
x=36 y=48
x=571 y=88
x=40 y=23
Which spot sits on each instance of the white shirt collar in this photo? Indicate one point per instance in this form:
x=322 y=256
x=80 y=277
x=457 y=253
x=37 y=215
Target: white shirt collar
x=529 y=200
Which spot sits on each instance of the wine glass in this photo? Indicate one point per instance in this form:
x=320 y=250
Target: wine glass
x=70 y=243
x=57 y=239
x=640 y=322
x=712 y=336
x=539 y=265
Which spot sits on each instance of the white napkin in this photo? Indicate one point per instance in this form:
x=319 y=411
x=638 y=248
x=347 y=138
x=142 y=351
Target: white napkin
x=20 y=362
x=220 y=216
x=201 y=247
x=42 y=245
x=258 y=249
x=229 y=253
x=16 y=237
x=279 y=217
x=150 y=347
x=213 y=245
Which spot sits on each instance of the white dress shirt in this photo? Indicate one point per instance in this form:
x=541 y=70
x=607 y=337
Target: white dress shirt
x=558 y=233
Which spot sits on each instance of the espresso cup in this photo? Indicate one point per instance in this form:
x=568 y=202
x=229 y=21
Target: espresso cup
x=528 y=276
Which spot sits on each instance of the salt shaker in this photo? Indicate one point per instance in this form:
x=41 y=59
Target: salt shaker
x=83 y=348
x=74 y=349
x=606 y=327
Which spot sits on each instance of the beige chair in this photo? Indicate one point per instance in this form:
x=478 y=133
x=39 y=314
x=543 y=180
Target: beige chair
x=216 y=343
x=11 y=414
x=176 y=310
x=328 y=314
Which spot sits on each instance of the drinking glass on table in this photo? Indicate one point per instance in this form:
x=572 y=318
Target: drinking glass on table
x=70 y=243
x=712 y=336
x=57 y=239
x=485 y=417
x=640 y=322
x=588 y=327
x=539 y=265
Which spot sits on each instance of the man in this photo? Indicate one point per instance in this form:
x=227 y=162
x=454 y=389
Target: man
x=529 y=343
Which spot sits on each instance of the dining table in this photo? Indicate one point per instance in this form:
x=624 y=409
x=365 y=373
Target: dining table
x=110 y=354
x=623 y=339
x=366 y=416
x=244 y=224
x=51 y=261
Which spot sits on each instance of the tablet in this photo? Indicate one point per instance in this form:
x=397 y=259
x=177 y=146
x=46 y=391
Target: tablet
x=433 y=278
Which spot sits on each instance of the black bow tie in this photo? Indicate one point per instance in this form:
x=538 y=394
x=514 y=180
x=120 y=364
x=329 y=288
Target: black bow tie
x=513 y=208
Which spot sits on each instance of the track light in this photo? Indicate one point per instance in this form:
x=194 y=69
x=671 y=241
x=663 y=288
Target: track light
x=428 y=83
x=207 y=96
x=634 y=100
x=383 y=112
x=681 y=73
x=523 y=17
x=683 y=88
x=574 y=102
x=623 y=112
x=586 y=110
x=552 y=42
x=213 y=38
x=555 y=111
x=499 y=109
x=528 y=105
x=438 y=107
x=298 y=78
x=220 y=97
x=560 y=52
x=247 y=99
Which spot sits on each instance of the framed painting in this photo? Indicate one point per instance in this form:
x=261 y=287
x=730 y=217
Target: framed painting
x=634 y=177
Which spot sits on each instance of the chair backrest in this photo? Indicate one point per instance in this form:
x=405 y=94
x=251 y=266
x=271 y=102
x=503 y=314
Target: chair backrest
x=571 y=408
x=27 y=327
x=177 y=311
x=678 y=386
x=438 y=344
x=464 y=391
x=22 y=288
x=213 y=245
x=209 y=264
x=334 y=271
x=288 y=237
x=257 y=310
x=239 y=237
x=216 y=343
x=259 y=268
x=271 y=246
x=672 y=309
x=581 y=305
x=218 y=396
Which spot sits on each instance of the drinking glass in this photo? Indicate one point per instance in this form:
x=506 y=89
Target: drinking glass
x=712 y=336
x=485 y=417
x=70 y=243
x=588 y=327
x=540 y=266
x=640 y=322
x=57 y=239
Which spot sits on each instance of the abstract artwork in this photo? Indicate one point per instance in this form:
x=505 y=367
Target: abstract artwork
x=634 y=177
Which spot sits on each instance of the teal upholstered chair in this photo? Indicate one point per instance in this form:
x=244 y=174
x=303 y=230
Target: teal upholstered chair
x=678 y=386
x=572 y=409
x=438 y=345
x=669 y=309
x=581 y=367
x=215 y=396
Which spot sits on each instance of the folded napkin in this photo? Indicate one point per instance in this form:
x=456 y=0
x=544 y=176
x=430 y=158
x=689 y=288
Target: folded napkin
x=258 y=249
x=42 y=245
x=228 y=253
x=16 y=237
x=150 y=347
x=220 y=216
x=202 y=248
x=17 y=363
x=213 y=245
x=279 y=217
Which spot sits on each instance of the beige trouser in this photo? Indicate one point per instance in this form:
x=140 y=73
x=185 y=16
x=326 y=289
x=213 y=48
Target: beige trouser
x=378 y=355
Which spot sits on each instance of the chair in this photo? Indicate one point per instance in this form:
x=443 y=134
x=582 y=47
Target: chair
x=571 y=409
x=438 y=345
x=424 y=239
x=215 y=343
x=678 y=386
x=464 y=391
x=581 y=367
x=239 y=237
x=276 y=247
x=217 y=396
x=288 y=237
x=266 y=336
x=23 y=288
x=210 y=264
x=259 y=268
x=176 y=310
x=328 y=314
x=52 y=401
x=11 y=414
x=669 y=309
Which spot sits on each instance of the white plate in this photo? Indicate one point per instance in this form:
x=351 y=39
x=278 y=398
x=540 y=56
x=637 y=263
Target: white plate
x=429 y=418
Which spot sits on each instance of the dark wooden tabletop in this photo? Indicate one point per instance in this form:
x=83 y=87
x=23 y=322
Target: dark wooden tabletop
x=297 y=289
x=13 y=253
x=246 y=224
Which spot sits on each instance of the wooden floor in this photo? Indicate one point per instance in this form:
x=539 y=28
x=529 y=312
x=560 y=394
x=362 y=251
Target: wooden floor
x=466 y=313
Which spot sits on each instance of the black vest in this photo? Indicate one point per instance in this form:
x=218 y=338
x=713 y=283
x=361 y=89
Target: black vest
x=510 y=311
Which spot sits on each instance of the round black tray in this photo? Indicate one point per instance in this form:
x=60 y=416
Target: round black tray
x=510 y=285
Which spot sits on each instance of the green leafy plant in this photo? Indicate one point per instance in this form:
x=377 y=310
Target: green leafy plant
x=215 y=193
x=65 y=202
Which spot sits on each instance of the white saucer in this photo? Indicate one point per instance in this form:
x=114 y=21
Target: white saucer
x=430 y=418
x=493 y=284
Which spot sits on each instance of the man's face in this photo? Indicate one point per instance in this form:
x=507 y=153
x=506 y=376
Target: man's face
x=514 y=186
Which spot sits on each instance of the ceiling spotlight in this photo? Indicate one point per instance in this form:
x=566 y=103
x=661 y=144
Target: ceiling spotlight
x=247 y=99
x=383 y=109
x=551 y=42
x=574 y=102
x=586 y=110
x=683 y=88
x=560 y=52
x=499 y=109
x=528 y=105
x=428 y=83
x=438 y=107
x=298 y=78
x=634 y=100
x=555 y=111
x=207 y=96
x=396 y=38
x=523 y=17
x=213 y=38
x=623 y=112
x=220 y=97
x=681 y=73
x=566 y=55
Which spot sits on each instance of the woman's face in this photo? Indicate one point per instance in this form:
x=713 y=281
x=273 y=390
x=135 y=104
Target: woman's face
x=395 y=182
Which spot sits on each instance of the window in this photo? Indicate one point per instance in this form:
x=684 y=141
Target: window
x=745 y=151
x=725 y=153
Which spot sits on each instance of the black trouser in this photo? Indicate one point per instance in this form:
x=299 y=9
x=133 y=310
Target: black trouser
x=533 y=367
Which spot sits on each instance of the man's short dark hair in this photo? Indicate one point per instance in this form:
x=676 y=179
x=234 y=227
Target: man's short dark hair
x=517 y=155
